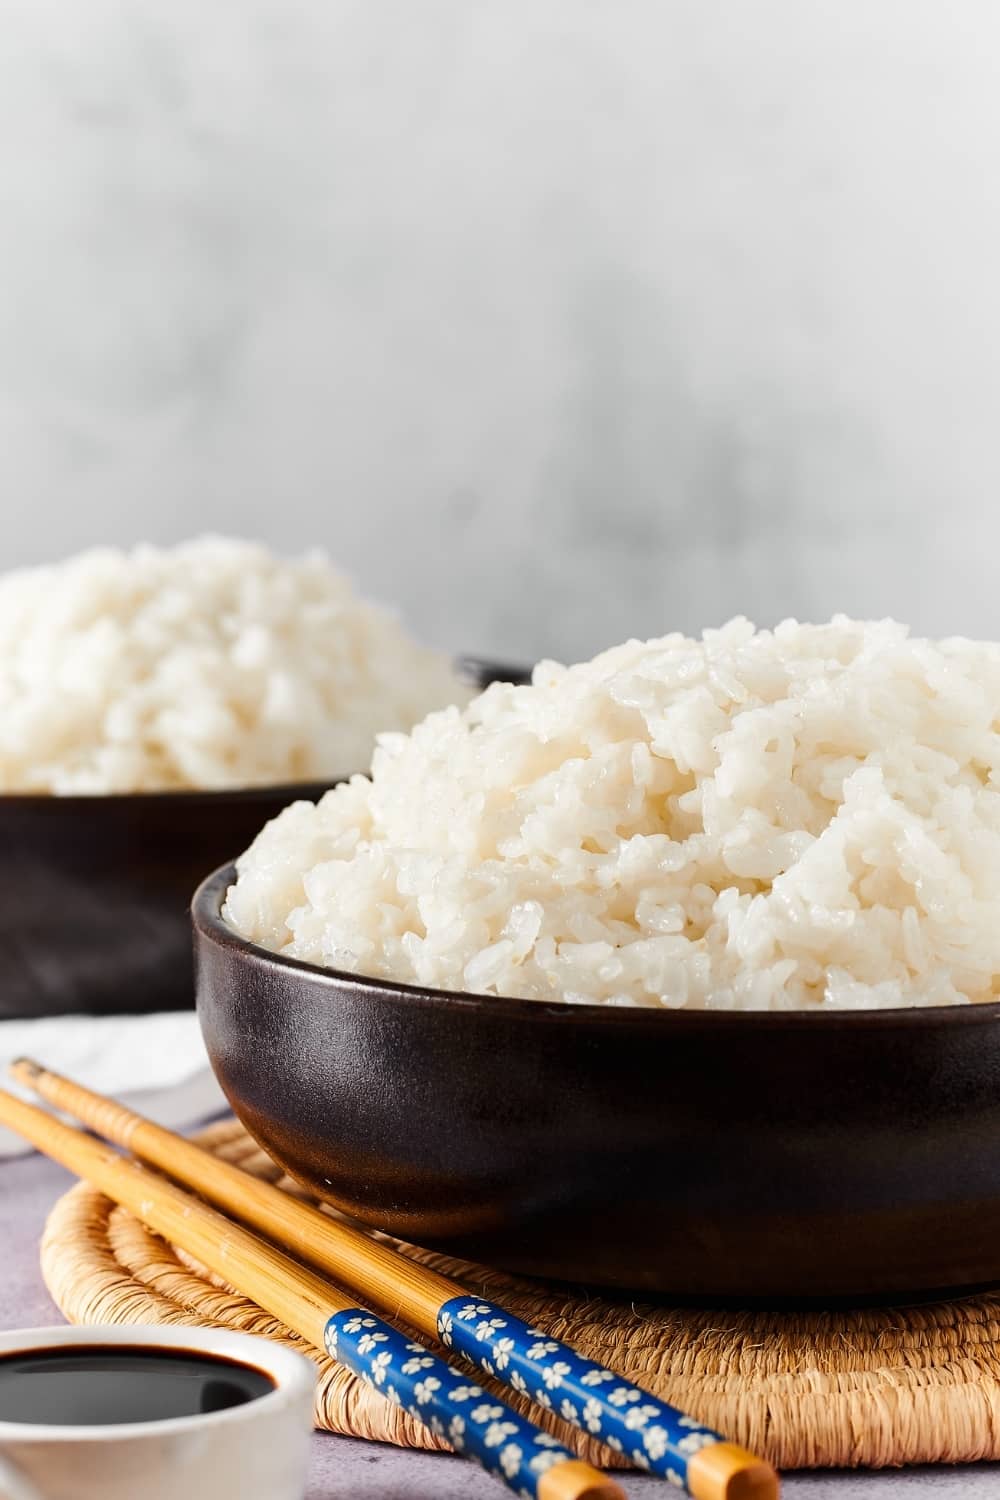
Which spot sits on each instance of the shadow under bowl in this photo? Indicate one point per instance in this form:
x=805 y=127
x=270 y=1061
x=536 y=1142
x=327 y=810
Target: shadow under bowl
x=95 y=890
x=758 y=1157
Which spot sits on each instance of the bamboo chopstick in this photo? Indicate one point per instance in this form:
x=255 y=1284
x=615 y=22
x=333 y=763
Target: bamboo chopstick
x=655 y=1435
x=477 y=1424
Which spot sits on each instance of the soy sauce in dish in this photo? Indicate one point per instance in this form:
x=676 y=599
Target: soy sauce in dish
x=95 y=1385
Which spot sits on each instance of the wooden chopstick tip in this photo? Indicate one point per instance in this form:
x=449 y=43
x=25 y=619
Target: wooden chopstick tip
x=724 y=1471
x=577 y=1481
x=25 y=1070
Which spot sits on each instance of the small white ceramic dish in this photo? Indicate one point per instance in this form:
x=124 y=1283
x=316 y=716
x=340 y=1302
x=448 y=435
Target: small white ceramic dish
x=258 y=1450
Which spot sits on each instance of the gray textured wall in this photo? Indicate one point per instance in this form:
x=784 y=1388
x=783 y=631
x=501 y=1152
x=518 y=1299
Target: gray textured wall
x=555 y=321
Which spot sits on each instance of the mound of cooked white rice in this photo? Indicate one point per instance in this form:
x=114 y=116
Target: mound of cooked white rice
x=756 y=820
x=211 y=665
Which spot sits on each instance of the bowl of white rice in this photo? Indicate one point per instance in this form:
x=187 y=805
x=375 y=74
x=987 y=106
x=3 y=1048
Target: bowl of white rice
x=156 y=707
x=675 y=970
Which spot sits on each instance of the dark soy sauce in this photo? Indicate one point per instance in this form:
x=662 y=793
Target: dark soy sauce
x=94 y=1385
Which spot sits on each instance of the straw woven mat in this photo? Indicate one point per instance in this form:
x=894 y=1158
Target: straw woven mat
x=874 y=1387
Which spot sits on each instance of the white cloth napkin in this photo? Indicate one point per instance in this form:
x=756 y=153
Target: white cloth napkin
x=155 y=1064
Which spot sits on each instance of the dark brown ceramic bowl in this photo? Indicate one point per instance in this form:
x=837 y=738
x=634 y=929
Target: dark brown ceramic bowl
x=94 y=891
x=711 y=1155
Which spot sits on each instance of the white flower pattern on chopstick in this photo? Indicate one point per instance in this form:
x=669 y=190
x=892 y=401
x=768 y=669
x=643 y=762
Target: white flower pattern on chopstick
x=695 y=1441
x=486 y=1330
x=511 y=1456
x=368 y=1341
x=593 y=1416
x=610 y=1408
x=554 y=1374
x=456 y=1432
x=502 y=1351
x=451 y=1407
x=638 y=1416
x=545 y=1346
x=497 y=1432
x=487 y=1413
x=623 y=1394
x=654 y=1440
x=355 y=1325
x=592 y=1398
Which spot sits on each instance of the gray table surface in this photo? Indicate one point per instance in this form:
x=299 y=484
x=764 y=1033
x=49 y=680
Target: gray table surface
x=369 y=1471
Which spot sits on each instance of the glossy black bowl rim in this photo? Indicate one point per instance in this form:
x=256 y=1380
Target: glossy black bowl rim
x=208 y=922
x=176 y=796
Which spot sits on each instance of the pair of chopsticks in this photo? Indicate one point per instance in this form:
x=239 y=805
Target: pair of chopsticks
x=654 y=1435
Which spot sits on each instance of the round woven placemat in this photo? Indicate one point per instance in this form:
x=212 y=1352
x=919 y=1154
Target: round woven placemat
x=873 y=1387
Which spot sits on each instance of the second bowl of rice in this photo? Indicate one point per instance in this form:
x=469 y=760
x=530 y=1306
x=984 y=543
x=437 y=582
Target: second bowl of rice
x=156 y=707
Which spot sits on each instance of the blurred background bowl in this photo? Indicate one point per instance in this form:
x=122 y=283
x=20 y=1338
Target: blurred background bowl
x=767 y=1157
x=95 y=890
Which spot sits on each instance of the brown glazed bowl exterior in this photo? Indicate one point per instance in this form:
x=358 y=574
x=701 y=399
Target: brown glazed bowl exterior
x=771 y=1157
x=94 y=891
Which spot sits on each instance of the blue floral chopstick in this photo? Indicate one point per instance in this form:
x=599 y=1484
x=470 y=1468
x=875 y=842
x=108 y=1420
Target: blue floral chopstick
x=652 y=1434
x=531 y=1462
